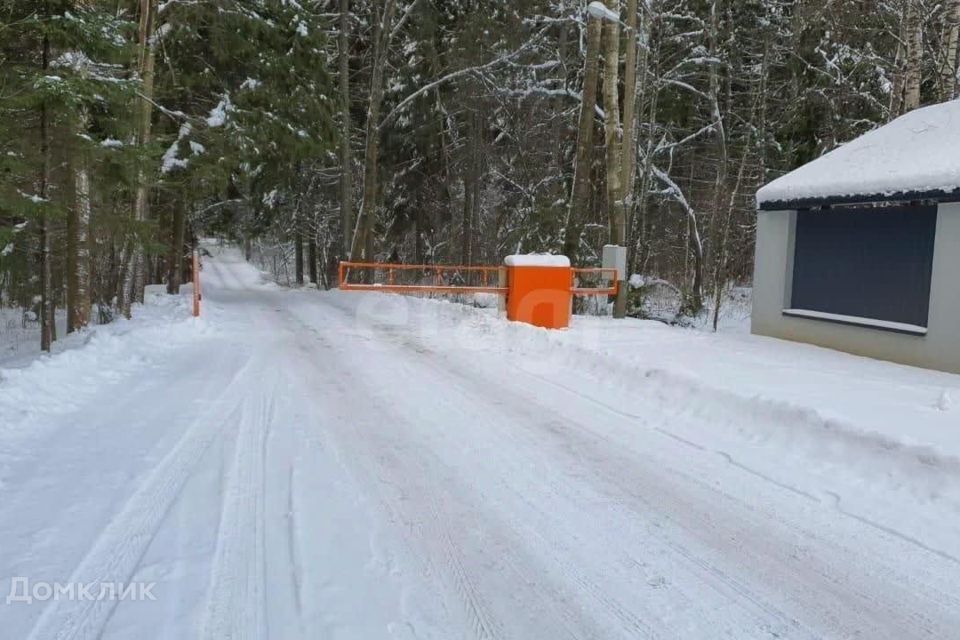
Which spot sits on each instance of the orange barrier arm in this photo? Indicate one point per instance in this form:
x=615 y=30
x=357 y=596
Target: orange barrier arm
x=393 y=276
x=485 y=279
x=601 y=274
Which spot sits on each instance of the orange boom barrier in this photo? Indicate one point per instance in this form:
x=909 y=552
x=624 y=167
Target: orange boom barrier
x=536 y=294
x=419 y=278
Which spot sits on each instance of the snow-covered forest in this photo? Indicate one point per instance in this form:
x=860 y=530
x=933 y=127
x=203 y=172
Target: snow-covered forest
x=425 y=131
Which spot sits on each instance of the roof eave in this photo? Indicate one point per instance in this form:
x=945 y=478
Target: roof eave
x=937 y=195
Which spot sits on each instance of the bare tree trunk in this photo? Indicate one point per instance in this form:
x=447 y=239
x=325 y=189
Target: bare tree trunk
x=560 y=147
x=471 y=190
x=466 y=220
x=717 y=218
x=649 y=78
x=580 y=197
x=419 y=229
x=686 y=262
x=123 y=268
x=363 y=238
x=642 y=253
x=695 y=299
x=720 y=271
x=70 y=270
x=78 y=243
x=948 y=67
x=46 y=313
x=312 y=260
x=477 y=187
x=612 y=141
x=896 y=91
x=175 y=266
x=298 y=254
x=905 y=95
x=911 y=85
x=346 y=155
x=136 y=272
x=628 y=151
x=631 y=90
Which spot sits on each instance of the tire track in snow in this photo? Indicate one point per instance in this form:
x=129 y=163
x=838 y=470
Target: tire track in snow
x=236 y=596
x=522 y=565
x=630 y=621
x=116 y=554
x=536 y=411
x=437 y=506
x=295 y=562
x=483 y=623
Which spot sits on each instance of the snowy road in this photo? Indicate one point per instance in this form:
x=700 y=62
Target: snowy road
x=324 y=466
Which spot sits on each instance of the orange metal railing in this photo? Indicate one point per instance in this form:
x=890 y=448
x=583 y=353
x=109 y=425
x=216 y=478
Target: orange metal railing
x=432 y=278
x=591 y=281
x=419 y=278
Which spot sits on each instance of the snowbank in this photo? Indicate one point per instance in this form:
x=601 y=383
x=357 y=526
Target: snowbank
x=86 y=362
x=877 y=419
x=916 y=153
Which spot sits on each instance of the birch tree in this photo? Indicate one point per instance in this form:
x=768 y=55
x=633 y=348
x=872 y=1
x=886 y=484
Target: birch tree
x=580 y=196
x=914 y=52
x=905 y=94
x=346 y=133
x=135 y=270
x=613 y=140
x=78 y=263
x=949 y=42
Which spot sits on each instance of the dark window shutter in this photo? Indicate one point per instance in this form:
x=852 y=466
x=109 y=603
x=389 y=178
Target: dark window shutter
x=871 y=263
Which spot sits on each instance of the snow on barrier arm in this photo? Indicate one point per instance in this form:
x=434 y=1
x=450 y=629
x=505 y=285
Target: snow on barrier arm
x=537 y=260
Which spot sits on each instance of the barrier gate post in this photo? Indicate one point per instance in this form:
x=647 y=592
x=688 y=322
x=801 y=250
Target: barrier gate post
x=196 y=283
x=538 y=290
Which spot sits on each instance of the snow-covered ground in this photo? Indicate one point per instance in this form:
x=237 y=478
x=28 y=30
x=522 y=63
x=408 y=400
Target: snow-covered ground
x=299 y=464
x=20 y=335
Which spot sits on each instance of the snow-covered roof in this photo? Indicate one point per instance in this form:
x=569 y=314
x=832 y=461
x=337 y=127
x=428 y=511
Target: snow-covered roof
x=915 y=156
x=537 y=260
